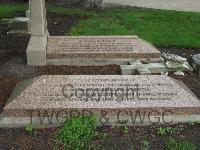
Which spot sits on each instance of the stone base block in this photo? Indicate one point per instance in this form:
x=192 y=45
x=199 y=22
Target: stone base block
x=36 y=51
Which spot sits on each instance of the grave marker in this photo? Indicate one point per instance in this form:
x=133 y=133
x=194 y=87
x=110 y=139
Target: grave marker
x=99 y=50
x=111 y=96
x=36 y=50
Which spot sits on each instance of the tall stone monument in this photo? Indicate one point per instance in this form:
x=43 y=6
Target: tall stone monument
x=36 y=51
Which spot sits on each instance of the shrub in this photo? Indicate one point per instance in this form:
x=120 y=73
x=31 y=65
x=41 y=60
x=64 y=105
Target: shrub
x=78 y=132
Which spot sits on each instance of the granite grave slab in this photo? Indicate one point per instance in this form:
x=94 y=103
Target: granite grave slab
x=98 y=50
x=111 y=96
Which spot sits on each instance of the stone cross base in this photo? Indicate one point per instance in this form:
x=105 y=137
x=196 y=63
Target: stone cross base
x=36 y=51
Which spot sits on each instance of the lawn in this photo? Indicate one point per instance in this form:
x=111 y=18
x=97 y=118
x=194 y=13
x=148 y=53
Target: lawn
x=7 y=10
x=163 y=28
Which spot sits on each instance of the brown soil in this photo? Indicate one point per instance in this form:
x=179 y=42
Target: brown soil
x=13 y=68
x=191 y=80
x=63 y=22
x=6 y=86
x=43 y=139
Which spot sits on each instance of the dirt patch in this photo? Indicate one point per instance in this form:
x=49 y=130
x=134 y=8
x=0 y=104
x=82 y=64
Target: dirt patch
x=59 y=24
x=43 y=139
x=22 y=140
x=7 y=85
x=88 y=70
x=191 y=80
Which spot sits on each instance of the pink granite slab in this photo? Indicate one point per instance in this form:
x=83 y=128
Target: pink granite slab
x=96 y=93
x=99 y=47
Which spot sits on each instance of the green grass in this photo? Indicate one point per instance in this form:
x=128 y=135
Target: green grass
x=7 y=10
x=162 y=28
x=167 y=130
x=172 y=144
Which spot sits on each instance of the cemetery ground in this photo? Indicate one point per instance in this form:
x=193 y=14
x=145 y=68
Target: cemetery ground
x=170 y=31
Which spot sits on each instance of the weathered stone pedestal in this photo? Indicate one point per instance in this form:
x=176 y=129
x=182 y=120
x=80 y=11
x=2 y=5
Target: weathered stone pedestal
x=36 y=51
